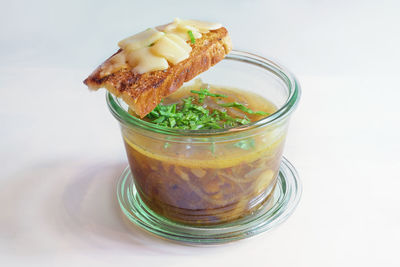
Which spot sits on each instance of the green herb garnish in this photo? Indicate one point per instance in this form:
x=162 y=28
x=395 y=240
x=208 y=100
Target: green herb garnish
x=243 y=108
x=192 y=39
x=192 y=115
x=188 y=116
x=203 y=93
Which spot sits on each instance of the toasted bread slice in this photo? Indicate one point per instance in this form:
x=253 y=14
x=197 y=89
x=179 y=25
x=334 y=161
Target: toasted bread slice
x=143 y=92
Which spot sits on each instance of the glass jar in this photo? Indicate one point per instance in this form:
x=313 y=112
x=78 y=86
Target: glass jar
x=207 y=177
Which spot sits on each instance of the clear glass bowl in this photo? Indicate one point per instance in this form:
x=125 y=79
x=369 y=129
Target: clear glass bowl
x=276 y=210
x=212 y=177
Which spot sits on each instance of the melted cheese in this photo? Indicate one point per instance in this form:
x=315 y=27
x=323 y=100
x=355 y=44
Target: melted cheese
x=179 y=41
x=154 y=48
x=181 y=29
x=201 y=26
x=140 y=40
x=172 y=49
x=143 y=60
x=116 y=62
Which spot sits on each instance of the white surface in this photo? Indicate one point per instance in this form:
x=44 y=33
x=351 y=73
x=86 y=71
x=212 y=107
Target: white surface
x=61 y=150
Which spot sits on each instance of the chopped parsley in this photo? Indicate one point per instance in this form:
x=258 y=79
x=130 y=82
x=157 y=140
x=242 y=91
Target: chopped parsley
x=192 y=115
x=203 y=93
x=192 y=39
x=243 y=108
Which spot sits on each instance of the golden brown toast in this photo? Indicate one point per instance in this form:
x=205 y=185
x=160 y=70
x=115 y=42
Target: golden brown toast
x=143 y=92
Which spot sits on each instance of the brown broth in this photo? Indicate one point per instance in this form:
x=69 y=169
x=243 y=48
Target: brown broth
x=251 y=100
x=206 y=187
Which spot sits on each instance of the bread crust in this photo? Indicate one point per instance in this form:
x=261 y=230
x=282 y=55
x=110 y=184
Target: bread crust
x=143 y=92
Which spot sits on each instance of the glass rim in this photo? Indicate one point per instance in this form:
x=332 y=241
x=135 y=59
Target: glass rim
x=288 y=107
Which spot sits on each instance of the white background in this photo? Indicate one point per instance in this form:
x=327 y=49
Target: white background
x=61 y=151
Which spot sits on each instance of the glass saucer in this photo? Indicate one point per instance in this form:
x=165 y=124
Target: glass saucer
x=281 y=205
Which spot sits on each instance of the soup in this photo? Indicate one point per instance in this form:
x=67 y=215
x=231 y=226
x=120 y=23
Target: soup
x=214 y=181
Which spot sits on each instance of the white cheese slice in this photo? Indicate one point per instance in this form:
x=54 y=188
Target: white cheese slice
x=144 y=60
x=201 y=26
x=141 y=39
x=170 y=50
x=153 y=48
x=183 y=32
x=181 y=29
x=179 y=41
x=186 y=28
x=116 y=62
